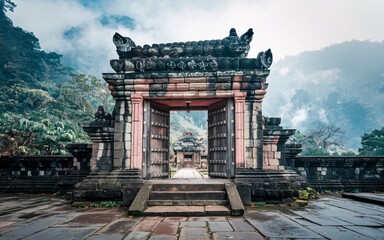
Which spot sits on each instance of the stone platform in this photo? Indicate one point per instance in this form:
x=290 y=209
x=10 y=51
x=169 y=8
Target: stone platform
x=330 y=217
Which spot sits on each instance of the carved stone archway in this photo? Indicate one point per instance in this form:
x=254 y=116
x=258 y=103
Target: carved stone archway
x=215 y=75
x=132 y=143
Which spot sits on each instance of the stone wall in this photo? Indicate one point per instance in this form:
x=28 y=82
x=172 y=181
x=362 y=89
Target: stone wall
x=41 y=174
x=341 y=173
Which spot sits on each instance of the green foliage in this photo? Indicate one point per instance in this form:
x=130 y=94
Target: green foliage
x=103 y=204
x=82 y=94
x=36 y=135
x=308 y=194
x=43 y=105
x=194 y=121
x=372 y=143
x=348 y=154
x=7 y=4
x=315 y=151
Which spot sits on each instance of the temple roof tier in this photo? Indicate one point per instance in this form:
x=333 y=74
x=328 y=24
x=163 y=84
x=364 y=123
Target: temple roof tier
x=231 y=46
x=200 y=63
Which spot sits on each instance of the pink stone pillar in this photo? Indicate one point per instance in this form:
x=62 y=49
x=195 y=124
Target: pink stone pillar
x=239 y=129
x=137 y=131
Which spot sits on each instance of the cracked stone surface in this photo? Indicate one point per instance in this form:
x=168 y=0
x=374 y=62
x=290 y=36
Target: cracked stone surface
x=330 y=217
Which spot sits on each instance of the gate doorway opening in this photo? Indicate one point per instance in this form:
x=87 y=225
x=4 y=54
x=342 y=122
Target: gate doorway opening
x=189 y=144
x=157 y=149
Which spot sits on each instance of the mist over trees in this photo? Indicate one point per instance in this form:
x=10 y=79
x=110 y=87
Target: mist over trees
x=340 y=85
x=43 y=104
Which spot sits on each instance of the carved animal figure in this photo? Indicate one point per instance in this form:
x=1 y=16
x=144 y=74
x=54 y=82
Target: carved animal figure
x=123 y=44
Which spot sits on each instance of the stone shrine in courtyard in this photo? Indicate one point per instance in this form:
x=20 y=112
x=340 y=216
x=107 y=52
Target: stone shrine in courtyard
x=131 y=145
x=189 y=151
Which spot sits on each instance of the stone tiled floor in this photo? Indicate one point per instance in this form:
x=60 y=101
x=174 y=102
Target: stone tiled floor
x=44 y=217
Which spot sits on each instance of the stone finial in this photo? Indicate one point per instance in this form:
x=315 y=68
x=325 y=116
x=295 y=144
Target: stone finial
x=123 y=44
x=101 y=115
x=264 y=59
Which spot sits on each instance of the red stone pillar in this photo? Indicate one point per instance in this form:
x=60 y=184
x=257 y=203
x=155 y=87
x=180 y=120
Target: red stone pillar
x=239 y=129
x=137 y=131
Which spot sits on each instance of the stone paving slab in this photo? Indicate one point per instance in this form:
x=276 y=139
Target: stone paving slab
x=337 y=233
x=375 y=233
x=355 y=206
x=26 y=230
x=188 y=173
x=375 y=198
x=62 y=233
x=120 y=226
x=237 y=236
x=240 y=225
x=220 y=226
x=326 y=218
x=189 y=233
x=276 y=225
x=114 y=236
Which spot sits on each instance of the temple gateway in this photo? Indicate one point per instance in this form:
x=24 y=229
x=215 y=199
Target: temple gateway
x=130 y=150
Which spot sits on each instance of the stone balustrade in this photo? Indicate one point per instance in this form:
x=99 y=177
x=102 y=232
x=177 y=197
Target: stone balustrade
x=356 y=173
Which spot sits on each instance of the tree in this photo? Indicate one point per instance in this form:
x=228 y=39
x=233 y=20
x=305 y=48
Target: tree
x=318 y=140
x=324 y=135
x=43 y=105
x=372 y=143
x=82 y=95
x=37 y=135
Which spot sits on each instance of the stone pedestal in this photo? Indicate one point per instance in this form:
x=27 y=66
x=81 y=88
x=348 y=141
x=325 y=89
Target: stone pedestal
x=82 y=154
x=101 y=135
x=274 y=139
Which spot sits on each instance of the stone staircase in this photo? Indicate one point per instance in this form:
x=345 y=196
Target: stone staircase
x=187 y=199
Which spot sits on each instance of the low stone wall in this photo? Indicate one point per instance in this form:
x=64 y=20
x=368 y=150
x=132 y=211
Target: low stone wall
x=38 y=174
x=341 y=173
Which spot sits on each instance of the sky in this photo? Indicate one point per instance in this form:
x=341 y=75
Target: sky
x=84 y=28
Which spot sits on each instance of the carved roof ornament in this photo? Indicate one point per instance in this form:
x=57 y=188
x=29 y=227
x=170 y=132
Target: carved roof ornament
x=228 y=53
x=123 y=44
x=231 y=46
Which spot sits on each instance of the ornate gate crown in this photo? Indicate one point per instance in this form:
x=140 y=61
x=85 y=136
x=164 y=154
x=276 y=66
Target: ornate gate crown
x=228 y=53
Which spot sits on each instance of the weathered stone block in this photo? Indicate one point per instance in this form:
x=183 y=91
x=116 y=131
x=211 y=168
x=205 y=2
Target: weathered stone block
x=176 y=80
x=207 y=93
x=161 y=80
x=196 y=79
x=198 y=86
x=224 y=79
x=143 y=81
x=156 y=87
x=141 y=87
x=182 y=86
x=169 y=87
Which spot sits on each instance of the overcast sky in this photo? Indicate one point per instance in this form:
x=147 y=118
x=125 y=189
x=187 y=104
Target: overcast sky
x=287 y=27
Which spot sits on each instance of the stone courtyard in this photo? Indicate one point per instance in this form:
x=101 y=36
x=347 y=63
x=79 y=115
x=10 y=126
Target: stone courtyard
x=330 y=217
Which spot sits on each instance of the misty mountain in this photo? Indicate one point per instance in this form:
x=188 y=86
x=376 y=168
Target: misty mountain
x=342 y=84
x=194 y=121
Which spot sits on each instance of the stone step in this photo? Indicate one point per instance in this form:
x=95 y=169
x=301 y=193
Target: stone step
x=189 y=187
x=187 y=211
x=173 y=200
x=187 y=195
x=187 y=202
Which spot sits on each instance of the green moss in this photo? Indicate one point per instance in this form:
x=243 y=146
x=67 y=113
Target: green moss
x=103 y=204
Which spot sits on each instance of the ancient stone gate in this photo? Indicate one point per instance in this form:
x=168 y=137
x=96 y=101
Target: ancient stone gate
x=212 y=75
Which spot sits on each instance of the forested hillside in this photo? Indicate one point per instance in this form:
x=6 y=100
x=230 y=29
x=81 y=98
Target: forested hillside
x=43 y=104
x=341 y=86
